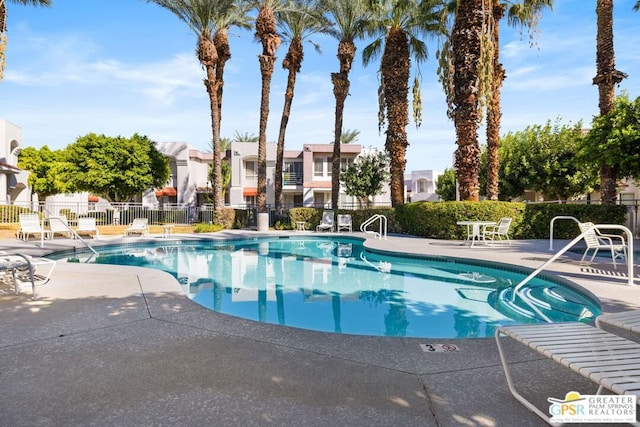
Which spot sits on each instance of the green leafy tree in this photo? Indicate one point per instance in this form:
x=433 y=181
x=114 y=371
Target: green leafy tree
x=543 y=159
x=44 y=167
x=614 y=138
x=366 y=176
x=115 y=168
x=446 y=185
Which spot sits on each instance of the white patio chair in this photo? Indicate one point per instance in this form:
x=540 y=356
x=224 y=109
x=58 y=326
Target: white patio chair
x=327 y=221
x=139 y=226
x=30 y=224
x=498 y=232
x=59 y=225
x=87 y=226
x=344 y=223
x=596 y=241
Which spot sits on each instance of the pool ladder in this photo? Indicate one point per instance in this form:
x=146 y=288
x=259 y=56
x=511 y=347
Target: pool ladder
x=382 y=227
x=518 y=287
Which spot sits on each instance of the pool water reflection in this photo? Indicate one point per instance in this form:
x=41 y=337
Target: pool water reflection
x=333 y=284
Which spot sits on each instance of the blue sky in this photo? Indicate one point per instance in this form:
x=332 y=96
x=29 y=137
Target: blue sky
x=127 y=66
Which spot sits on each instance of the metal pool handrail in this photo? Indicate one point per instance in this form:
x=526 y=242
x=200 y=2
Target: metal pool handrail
x=569 y=245
x=551 y=227
x=382 y=233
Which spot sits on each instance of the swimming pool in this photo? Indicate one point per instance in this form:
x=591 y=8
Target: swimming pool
x=334 y=284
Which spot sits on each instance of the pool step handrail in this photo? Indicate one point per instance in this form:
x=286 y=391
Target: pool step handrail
x=382 y=228
x=68 y=227
x=516 y=289
x=551 y=227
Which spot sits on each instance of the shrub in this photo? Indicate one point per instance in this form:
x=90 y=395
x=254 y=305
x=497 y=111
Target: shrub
x=207 y=228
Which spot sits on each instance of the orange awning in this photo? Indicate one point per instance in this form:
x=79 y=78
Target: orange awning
x=250 y=191
x=167 y=191
x=93 y=199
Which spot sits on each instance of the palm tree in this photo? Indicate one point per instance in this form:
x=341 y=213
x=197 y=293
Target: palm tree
x=606 y=78
x=3 y=25
x=244 y=137
x=302 y=20
x=349 y=136
x=397 y=26
x=636 y=6
x=349 y=18
x=527 y=14
x=200 y=15
x=266 y=33
x=234 y=17
x=466 y=45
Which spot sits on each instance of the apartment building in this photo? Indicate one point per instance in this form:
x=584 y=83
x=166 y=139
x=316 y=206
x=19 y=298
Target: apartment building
x=13 y=180
x=307 y=175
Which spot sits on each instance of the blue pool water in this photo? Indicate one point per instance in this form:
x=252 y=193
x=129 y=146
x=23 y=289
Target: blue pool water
x=333 y=284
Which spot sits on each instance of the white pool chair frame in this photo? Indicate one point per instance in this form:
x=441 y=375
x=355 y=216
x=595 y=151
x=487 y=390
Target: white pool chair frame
x=595 y=240
x=327 y=222
x=608 y=360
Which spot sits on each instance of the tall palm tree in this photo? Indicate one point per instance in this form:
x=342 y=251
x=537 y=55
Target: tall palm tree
x=397 y=27
x=349 y=19
x=607 y=77
x=233 y=17
x=349 y=136
x=3 y=25
x=466 y=45
x=525 y=13
x=266 y=33
x=302 y=19
x=200 y=15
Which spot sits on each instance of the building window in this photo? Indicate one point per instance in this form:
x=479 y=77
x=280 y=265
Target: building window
x=322 y=166
x=422 y=186
x=292 y=173
x=251 y=169
x=345 y=163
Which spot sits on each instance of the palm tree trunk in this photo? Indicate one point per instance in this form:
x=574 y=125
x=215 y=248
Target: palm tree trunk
x=395 y=68
x=267 y=34
x=292 y=62
x=221 y=42
x=208 y=56
x=465 y=38
x=494 y=112
x=346 y=53
x=606 y=79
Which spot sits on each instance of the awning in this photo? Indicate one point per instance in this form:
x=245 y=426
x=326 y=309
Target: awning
x=167 y=191
x=250 y=191
x=93 y=199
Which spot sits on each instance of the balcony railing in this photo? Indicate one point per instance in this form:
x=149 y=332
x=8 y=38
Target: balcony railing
x=291 y=178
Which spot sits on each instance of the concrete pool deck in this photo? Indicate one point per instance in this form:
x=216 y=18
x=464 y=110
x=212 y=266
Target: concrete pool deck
x=105 y=345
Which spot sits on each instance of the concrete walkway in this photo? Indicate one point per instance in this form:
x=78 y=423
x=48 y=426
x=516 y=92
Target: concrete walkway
x=122 y=346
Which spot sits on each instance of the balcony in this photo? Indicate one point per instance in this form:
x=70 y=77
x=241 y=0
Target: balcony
x=291 y=179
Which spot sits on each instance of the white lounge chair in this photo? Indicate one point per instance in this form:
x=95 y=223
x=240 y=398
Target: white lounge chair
x=59 y=225
x=138 y=226
x=596 y=241
x=498 y=232
x=626 y=320
x=327 y=221
x=606 y=359
x=17 y=269
x=344 y=223
x=87 y=226
x=30 y=224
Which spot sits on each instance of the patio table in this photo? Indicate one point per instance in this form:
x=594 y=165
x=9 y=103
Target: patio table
x=475 y=230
